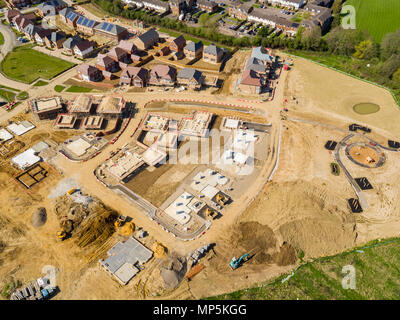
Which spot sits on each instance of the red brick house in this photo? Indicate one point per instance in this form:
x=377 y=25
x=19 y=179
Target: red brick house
x=177 y=44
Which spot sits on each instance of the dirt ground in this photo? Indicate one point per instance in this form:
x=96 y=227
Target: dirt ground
x=303 y=210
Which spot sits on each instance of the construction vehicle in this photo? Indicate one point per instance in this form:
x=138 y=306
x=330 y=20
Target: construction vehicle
x=236 y=263
x=120 y=221
x=210 y=213
x=71 y=191
x=66 y=228
x=221 y=199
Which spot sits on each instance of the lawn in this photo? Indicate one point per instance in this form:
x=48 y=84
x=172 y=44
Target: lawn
x=376 y=277
x=1 y=39
x=27 y=65
x=59 y=88
x=40 y=83
x=78 y=89
x=7 y=95
x=378 y=17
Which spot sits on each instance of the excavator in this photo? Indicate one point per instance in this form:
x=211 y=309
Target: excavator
x=66 y=228
x=236 y=263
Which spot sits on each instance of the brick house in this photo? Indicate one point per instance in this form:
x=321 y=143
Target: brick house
x=55 y=40
x=105 y=63
x=70 y=43
x=162 y=75
x=147 y=39
x=111 y=31
x=177 y=44
x=212 y=54
x=83 y=48
x=85 y=25
x=193 y=50
x=119 y=55
x=190 y=77
x=89 y=73
x=207 y=5
x=134 y=76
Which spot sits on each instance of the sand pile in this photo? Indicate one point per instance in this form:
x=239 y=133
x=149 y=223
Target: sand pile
x=173 y=271
x=127 y=229
x=286 y=256
x=159 y=250
x=39 y=217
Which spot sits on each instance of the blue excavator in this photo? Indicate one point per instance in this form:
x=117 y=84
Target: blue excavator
x=236 y=263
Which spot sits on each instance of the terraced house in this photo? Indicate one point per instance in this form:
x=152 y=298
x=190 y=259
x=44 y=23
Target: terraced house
x=291 y=4
x=111 y=31
x=157 y=5
x=85 y=25
x=239 y=10
x=207 y=6
x=51 y=8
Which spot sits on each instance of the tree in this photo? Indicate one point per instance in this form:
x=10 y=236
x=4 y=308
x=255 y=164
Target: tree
x=311 y=38
x=396 y=76
x=336 y=9
x=366 y=49
x=390 y=44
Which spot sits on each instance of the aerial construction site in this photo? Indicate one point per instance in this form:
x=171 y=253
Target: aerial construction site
x=187 y=194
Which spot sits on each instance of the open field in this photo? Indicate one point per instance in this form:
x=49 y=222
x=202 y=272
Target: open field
x=376 y=270
x=26 y=65
x=378 y=17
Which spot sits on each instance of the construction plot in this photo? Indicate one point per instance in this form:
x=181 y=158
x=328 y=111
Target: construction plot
x=20 y=128
x=32 y=176
x=82 y=147
x=124 y=258
x=31 y=156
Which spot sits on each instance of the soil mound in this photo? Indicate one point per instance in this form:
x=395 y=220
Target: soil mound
x=286 y=256
x=39 y=217
x=257 y=239
x=173 y=271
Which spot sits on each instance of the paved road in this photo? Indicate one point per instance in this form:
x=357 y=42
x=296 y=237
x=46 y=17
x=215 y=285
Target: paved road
x=10 y=41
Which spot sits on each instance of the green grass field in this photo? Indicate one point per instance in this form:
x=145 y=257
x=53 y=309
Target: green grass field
x=1 y=39
x=376 y=277
x=59 y=88
x=377 y=16
x=78 y=89
x=26 y=65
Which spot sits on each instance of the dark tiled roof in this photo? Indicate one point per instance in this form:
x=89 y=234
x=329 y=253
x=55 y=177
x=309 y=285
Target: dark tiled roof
x=212 y=49
x=194 y=46
x=189 y=73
